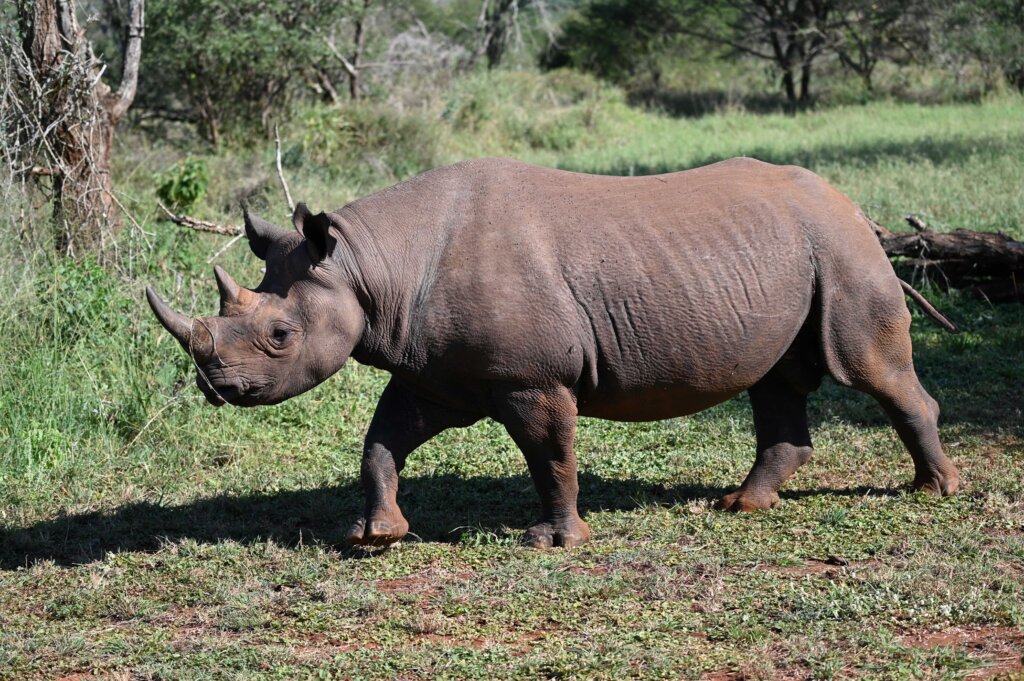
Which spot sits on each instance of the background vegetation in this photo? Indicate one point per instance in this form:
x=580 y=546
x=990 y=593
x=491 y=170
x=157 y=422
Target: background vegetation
x=144 y=534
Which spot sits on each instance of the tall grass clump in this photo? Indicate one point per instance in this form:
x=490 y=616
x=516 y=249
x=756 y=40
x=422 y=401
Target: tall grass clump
x=508 y=112
x=72 y=384
x=349 y=142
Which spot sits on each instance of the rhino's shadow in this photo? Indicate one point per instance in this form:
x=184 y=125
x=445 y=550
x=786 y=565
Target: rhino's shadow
x=440 y=508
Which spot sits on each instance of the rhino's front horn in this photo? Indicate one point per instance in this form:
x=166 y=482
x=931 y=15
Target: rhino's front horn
x=176 y=323
x=229 y=290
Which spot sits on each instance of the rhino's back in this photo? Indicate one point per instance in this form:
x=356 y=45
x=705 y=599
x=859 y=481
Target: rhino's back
x=654 y=296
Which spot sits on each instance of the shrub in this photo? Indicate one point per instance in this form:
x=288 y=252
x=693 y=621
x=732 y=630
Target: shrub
x=184 y=185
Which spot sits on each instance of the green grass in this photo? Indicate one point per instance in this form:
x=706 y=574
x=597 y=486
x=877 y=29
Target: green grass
x=144 y=534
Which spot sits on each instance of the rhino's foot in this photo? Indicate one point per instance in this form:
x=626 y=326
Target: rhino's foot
x=939 y=483
x=380 y=530
x=566 y=532
x=748 y=500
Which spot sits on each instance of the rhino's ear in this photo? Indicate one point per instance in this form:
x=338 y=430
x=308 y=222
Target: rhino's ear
x=261 y=234
x=316 y=229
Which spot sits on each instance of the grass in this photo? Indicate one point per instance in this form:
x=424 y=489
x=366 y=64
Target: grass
x=145 y=535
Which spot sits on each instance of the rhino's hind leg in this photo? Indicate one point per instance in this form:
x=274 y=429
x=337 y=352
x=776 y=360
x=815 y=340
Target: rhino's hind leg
x=401 y=423
x=915 y=415
x=783 y=443
x=542 y=422
x=866 y=344
x=868 y=347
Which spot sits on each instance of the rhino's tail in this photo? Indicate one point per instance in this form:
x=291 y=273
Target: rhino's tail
x=939 y=318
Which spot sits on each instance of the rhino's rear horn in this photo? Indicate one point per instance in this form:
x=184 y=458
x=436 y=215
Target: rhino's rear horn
x=261 y=234
x=177 y=324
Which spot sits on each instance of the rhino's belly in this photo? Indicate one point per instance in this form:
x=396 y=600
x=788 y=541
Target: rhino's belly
x=696 y=381
x=686 y=369
x=651 y=404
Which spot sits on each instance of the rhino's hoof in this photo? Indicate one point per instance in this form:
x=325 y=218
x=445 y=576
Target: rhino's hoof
x=940 y=484
x=378 y=531
x=747 y=500
x=566 y=533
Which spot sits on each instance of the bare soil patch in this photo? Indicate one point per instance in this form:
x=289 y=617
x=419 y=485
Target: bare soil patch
x=1000 y=648
x=430 y=582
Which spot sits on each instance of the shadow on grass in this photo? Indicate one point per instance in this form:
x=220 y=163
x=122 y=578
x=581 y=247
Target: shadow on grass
x=699 y=103
x=976 y=376
x=439 y=508
x=938 y=152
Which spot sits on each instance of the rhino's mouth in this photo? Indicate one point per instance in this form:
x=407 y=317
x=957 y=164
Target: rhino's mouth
x=217 y=396
x=239 y=395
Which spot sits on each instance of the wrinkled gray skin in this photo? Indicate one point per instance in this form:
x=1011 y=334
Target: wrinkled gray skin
x=498 y=289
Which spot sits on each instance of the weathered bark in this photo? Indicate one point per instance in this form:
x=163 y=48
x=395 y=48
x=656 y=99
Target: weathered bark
x=989 y=264
x=79 y=117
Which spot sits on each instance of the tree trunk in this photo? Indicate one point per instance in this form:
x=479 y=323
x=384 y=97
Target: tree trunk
x=789 y=86
x=782 y=59
x=496 y=25
x=353 y=66
x=357 y=57
x=805 y=83
x=867 y=75
x=80 y=116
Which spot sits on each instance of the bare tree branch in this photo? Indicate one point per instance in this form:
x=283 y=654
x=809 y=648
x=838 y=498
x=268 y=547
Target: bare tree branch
x=59 y=120
x=350 y=69
x=280 y=172
x=201 y=225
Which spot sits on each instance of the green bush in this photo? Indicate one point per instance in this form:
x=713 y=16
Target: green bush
x=184 y=185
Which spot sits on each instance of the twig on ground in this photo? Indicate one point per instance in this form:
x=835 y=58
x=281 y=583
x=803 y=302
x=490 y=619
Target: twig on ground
x=280 y=172
x=130 y=217
x=201 y=225
x=224 y=248
x=917 y=223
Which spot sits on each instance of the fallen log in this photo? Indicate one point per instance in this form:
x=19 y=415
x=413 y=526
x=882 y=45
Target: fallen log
x=989 y=264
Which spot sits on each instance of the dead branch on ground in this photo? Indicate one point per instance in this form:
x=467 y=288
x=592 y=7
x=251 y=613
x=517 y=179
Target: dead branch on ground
x=989 y=264
x=201 y=225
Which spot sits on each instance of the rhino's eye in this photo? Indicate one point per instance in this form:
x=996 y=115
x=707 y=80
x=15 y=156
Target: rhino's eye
x=281 y=334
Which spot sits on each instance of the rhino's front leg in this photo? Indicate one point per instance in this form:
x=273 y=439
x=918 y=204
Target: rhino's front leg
x=401 y=423
x=542 y=422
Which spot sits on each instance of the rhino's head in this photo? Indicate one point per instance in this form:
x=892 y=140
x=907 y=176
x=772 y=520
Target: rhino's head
x=284 y=337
